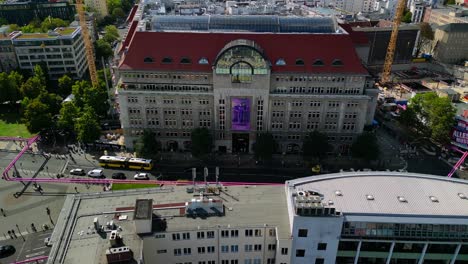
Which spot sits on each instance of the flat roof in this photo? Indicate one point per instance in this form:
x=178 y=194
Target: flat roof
x=143 y=209
x=386 y=187
x=62 y=32
x=245 y=206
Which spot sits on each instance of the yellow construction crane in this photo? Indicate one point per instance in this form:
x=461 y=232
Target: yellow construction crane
x=87 y=42
x=387 y=68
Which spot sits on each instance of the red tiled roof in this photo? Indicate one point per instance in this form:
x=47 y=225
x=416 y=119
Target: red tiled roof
x=358 y=37
x=130 y=32
x=132 y=13
x=290 y=47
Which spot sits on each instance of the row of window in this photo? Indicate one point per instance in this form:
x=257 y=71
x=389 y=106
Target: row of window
x=166 y=76
x=168 y=87
x=316 y=90
x=317 y=79
x=224 y=234
x=183 y=60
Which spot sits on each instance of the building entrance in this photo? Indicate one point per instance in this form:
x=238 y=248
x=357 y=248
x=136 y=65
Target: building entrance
x=240 y=143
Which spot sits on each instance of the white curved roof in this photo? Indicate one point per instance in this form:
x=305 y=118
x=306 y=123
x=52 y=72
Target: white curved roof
x=425 y=195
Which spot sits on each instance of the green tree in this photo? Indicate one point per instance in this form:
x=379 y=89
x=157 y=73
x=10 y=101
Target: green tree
x=118 y=13
x=265 y=146
x=103 y=49
x=52 y=101
x=17 y=78
x=147 y=145
x=96 y=98
x=37 y=116
x=28 y=29
x=87 y=126
x=105 y=21
x=449 y=2
x=111 y=35
x=202 y=142
x=68 y=114
x=365 y=147
x=9 y=90
x=40 y=72
x=32 y=87
x=14 y=27
x=113 y=4
x=79 y=90
x=406 y=18
x=315 y=145
x=426 y=37
x=51 y=23
x=431 y=116
x=65 y=84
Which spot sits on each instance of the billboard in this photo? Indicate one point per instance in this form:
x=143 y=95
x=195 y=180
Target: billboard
x=460 y=133
x=240 y=114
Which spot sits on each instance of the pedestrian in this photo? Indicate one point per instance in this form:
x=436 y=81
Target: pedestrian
x=33 y=227
x=3 y=212
x=9 y=233
x=76 y=189
x=14 y=234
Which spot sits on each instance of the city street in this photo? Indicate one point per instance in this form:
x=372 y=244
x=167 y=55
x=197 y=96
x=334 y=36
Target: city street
x=32 y=246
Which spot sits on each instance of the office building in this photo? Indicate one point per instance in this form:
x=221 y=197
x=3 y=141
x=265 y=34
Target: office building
x=61 y=50
x=444 y=16
x=22 y=13
x=450 y=43
x=243 y=75
x=99 y=7
x=8 y=60
x=347 y=217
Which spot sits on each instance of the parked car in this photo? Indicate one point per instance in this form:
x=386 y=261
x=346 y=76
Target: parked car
x=47 y=242
x=7 y=250
x=119 y=175
x=96 y=173
x=141 y=176
x=79 y=172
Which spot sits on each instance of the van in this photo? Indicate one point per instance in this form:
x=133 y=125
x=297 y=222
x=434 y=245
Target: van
x=96 y=173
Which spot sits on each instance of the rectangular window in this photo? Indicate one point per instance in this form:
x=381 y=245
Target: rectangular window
x=284 y=251
x=271 y=261
x=177 y=252
x=224 y=249
x=248 y=248
x=201 y=250
x=271 y=247
x=200 y=235
x=300 y=253
x=322 y=246
x=272 y=232
x=224 y=233
x=248 y=232
x=258 y=232
x=258 y=247
x=187 y=251
x=319 y=261
x=234 y=248
x=185 y=236
x=210 y=249
x=302 y=233
x=161 y=251
x=176 y=236
x=210 y=234
x=234 y=261
x=234 y=233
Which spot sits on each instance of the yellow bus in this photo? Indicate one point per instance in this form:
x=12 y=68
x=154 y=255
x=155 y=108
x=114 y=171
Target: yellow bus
x=125 y=163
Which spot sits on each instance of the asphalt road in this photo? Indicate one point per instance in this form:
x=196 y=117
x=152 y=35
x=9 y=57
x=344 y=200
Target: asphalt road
x=33 y=246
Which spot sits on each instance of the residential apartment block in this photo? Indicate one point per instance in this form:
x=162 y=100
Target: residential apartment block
x=61 y=50
x=98 y=6
x=337 y=218
x=450 y=43
x=238 y=79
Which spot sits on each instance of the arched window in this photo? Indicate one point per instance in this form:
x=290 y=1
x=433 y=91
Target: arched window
x=185 y=60
x=244 y=54
x=148 y=60
x=241 y=72
x=203 y=61
x=167 y=60
x=300 y=62
x=318 y=62
x=280 y=62
x=337 y=62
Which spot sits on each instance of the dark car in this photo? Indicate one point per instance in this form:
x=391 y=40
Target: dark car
x=118 y=175
x=7 y=250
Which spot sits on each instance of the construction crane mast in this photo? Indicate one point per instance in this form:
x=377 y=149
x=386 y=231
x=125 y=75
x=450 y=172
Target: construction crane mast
x=385 y=78
x=87 y=43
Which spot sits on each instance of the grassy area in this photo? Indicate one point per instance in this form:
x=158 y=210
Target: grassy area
x=126 y=186
x=10 y=126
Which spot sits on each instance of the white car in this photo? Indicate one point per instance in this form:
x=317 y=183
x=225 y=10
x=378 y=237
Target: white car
x=79 y=172
x=141 y=176
x=96 y=173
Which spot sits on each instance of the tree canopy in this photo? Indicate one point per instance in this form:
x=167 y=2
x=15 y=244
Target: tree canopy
x=147 y=146
x=37 y=116
x=202 y=142
x=68 y=114
x=87 y=126
x=111 y=35
x=9 y=87
x=265 y=146
x=65 y=84
x=432 y=116
x=365 y=147
x=103 y=49
x=406 y=18
x=315 y=145
x=118 y=13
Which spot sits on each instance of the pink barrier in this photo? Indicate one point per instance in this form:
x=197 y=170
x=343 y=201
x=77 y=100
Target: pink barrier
x=459 y=162
x=13 y=139
x=104 y=181
x=31 y=260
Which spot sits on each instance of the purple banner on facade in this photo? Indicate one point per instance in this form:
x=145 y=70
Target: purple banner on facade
x=240 y=113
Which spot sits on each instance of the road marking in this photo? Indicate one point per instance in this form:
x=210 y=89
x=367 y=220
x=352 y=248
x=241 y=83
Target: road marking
x=38 y=248
x=35 y=254
x=45 y=234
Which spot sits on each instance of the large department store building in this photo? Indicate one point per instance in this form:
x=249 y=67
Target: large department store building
x=242 y=75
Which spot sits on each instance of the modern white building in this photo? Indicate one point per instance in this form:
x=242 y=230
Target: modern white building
x=243 y=75
x=62 y=51
x=348 y=217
